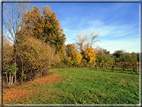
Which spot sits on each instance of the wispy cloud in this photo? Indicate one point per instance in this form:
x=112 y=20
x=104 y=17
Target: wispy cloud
x=128 y=45
x=112 y=37
x=117 y=24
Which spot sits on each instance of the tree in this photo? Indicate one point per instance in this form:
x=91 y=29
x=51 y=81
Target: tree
x=118 y=53
x=99 y=54
x=75 y=56
x=122 y=56
x=46 y=27
x=7 y=56
x=90 y=55
x=69 y=50
x=103 y=56
x=82 y=41
x=10 y=70
x=12 y=14
x=105 y=51
x=133 y=57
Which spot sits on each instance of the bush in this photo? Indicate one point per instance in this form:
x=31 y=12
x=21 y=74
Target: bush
x=35 y=55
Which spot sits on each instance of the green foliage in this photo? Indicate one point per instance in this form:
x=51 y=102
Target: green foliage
x=133 y=57
x=69 y=50
x=121 y=56
x=103 y=56
x=11 y=68
x=7 y=53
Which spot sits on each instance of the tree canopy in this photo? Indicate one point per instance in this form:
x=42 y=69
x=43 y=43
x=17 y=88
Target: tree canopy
x=45 y=27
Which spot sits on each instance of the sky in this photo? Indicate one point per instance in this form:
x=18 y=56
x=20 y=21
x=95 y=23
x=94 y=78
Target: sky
x=116 y=23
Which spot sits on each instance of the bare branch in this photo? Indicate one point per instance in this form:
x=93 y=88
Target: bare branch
x=82 y=40
x=12 y=14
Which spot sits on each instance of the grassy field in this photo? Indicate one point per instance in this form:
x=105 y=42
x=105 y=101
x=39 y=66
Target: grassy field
x=77 y=86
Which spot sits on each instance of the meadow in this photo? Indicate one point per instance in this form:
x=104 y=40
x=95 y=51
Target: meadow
x=77 y=86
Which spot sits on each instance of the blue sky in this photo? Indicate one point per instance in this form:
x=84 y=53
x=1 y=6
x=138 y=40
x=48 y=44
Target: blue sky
x=117 y=23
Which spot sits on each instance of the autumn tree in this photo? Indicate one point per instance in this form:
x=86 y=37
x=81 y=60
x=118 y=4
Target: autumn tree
x=46 y=27
x=69 y=50
x=75 y=56
x=12 y=14
x=90 y=55
x=85 y=40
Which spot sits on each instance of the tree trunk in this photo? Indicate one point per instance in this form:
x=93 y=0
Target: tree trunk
x=15 y=60
x=22 y=69
x=6 y=78
x=11 y=80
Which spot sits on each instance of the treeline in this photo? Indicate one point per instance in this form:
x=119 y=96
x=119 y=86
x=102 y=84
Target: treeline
x=39 y=45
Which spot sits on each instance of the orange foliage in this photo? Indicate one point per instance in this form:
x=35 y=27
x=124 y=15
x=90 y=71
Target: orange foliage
x=46 y=27
x=18 y=93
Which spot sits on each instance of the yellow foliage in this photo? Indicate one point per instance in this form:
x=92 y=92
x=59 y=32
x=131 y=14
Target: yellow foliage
x=90 y=55
x=77 y=57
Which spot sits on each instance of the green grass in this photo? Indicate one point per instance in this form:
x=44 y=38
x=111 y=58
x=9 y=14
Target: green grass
x=85 y=86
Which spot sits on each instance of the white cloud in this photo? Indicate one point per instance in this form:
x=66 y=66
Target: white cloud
x=120 y=37
x=113 y=36
x=110 y=30
x=128 y=45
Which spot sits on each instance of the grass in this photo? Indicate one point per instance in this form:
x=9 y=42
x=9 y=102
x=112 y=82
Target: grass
x=80 y=86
